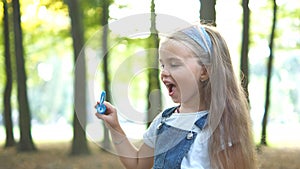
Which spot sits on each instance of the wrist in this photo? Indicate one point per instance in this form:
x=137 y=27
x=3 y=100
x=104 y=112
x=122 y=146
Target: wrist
x=119 y=140
x=118 y=135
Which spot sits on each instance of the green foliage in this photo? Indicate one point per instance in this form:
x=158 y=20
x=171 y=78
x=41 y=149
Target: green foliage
x=284 y=93
x=46 y=40
x=129 y=59
x=47 y=46
x=49 y=56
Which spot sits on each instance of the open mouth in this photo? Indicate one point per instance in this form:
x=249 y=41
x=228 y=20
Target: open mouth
x=171 y=88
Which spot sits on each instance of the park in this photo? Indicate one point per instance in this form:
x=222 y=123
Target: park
x=57 y=57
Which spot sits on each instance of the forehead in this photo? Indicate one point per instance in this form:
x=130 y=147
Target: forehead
x=174 y=49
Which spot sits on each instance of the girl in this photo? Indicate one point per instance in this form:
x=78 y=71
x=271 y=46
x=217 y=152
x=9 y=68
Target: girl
x=211 y=126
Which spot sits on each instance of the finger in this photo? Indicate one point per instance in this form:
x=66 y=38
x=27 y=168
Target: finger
x=96 y=104
x=100 y=116
x=109 y=108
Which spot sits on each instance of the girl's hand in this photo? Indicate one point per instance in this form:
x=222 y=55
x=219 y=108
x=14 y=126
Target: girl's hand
x=110 y=117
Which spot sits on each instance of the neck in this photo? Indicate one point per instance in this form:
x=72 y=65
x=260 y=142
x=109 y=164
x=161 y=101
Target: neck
x=185 y=108
x=195 y=104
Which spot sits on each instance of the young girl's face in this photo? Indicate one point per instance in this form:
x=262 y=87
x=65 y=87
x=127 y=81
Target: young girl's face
x=181 y=72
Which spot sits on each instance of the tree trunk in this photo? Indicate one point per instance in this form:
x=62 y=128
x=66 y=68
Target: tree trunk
x=153 y=92
x=245 y=48
x=263 y=140
x=208 y=12
x=104 y=23
x=79 y=143
x=10 y=140
x=26 y=142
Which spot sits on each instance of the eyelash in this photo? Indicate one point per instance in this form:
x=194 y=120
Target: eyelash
x=172 y=65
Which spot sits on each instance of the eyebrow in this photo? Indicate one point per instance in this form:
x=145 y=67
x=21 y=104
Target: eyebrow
x=170 y=59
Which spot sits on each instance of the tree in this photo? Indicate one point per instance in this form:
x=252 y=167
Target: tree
x=263 y=140
x=10 y=140
x=104 y=23
x=208 y=12
x=79 y=143
x=245 y=47
x=26 y=142
x=154 y=102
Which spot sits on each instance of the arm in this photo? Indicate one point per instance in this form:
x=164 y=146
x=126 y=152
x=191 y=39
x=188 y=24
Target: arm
x=130 y=156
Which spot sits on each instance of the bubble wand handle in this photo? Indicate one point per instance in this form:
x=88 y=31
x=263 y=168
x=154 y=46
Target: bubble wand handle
x=101 y=108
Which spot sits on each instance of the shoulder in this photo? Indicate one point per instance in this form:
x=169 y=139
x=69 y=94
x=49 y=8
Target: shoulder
x=149 y=136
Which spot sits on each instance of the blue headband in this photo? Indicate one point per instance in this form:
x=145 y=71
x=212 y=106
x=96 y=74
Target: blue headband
x=201 y=38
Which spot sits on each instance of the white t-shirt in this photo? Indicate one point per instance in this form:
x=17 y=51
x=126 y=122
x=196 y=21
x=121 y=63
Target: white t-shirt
x=197 y=157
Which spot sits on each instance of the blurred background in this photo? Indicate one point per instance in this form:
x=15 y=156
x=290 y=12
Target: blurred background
x=58 y=55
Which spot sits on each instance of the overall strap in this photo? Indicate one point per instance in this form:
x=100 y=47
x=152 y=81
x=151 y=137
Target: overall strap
x=202 y=122
x=168 y=112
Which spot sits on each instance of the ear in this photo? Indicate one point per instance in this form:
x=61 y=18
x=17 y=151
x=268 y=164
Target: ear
x=203 y=74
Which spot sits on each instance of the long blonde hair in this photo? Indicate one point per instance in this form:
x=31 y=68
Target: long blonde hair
x=231 y=144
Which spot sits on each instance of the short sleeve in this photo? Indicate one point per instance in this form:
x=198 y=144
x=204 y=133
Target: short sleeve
x=149 y=136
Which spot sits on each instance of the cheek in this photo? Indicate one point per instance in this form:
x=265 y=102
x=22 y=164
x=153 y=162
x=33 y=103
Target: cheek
x=187 y=81
x=191 y=75
x=189 y=88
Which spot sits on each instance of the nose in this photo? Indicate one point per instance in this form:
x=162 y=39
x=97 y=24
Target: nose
x=164 y=72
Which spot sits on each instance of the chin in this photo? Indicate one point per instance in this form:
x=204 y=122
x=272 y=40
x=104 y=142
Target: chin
x=176 y=100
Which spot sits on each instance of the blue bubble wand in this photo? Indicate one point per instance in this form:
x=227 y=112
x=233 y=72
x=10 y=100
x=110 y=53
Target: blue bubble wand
x=101 y=108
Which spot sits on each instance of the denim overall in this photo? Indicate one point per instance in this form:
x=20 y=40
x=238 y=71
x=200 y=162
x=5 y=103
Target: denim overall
x=172 y=144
